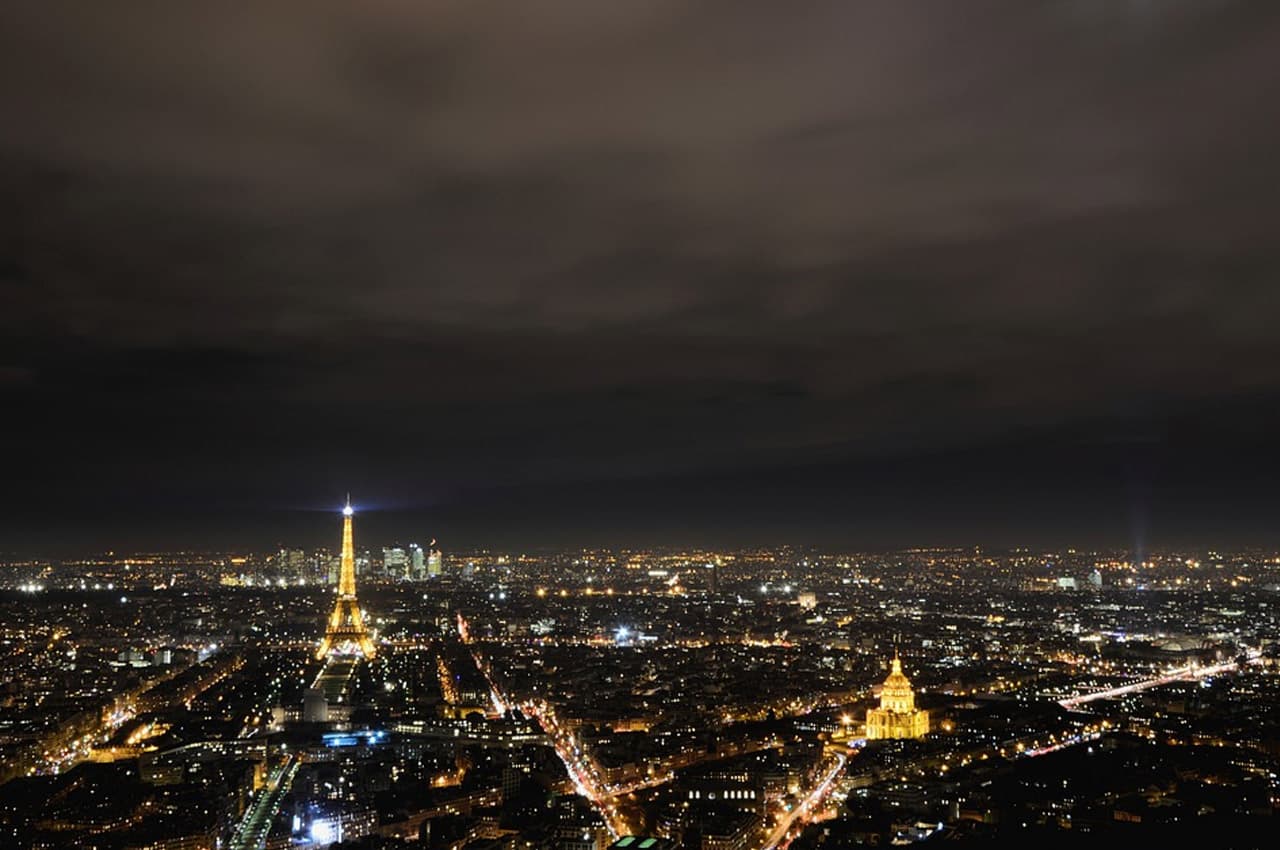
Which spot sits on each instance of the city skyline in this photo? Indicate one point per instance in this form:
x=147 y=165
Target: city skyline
x=766 y=699
x=639 y=424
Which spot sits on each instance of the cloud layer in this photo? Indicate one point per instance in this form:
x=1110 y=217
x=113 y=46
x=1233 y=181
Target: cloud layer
x=482 y=243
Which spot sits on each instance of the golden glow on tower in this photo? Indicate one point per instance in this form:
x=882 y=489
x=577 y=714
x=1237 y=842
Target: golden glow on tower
x=346 y=633
x=897 y=716
x=347 y=575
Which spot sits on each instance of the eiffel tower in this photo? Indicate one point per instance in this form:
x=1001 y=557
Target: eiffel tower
x=346 y=633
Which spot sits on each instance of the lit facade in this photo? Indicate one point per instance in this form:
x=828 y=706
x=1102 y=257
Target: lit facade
x=897 y=716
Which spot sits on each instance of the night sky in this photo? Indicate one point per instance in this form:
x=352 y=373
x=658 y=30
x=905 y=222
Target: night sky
x=864 y=274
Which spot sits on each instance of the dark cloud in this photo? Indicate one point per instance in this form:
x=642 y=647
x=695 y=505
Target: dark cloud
x=458 y=245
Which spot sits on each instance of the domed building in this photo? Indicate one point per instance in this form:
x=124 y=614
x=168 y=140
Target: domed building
x=897 y=716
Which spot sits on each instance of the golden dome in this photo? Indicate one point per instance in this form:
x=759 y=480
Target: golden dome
x=897 y=716
x=896 y=694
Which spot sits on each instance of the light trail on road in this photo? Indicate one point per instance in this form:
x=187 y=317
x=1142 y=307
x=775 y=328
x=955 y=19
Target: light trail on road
x=1184 y=674
x=584 y=775
x=805 y=807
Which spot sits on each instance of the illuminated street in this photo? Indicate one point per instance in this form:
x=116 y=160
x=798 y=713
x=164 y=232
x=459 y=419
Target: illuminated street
x=1190 y=673
x=781 y=835
x=251 y=834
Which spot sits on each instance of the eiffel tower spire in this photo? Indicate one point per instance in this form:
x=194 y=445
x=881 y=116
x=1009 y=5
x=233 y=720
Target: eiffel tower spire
x=346 y=633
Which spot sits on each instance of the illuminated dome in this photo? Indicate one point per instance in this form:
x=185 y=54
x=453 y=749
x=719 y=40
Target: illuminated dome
x=897 y=716
x=896 y=694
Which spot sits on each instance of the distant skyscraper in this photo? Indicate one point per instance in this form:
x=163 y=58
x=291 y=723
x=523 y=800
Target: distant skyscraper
x=317 y=569
x=417 y=563
x=395 y=563
x=346 y=633
x=290 y=564
x=435 y=560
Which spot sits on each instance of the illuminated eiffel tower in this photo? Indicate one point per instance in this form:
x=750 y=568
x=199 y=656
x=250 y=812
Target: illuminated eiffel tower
x=346 y=633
